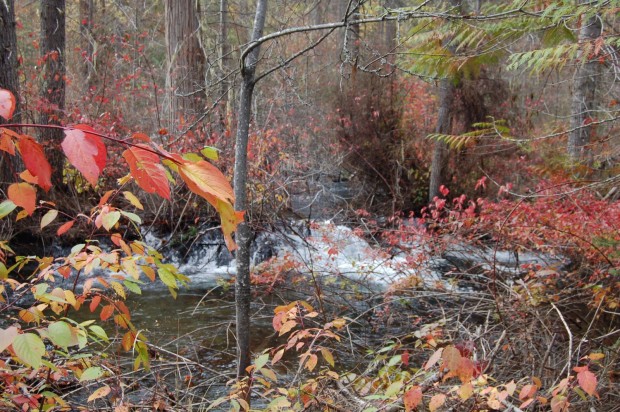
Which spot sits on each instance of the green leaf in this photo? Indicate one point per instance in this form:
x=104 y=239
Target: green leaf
x=6 y=207
x=4 y=272
x=133 y=287
x=133 y=217
x=94 y=372
x=60 y=334
x=167 y=277
x=48 y=217
x=110 y=219
x=30 y=349
x=210 y=153
x=393 y=389
x=261 y=361
x=192 y=157
x=98 y=332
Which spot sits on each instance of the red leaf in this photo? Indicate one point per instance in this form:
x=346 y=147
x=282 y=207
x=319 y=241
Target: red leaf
x=145 y=167
x=65 y=228
x=7 y=104
x=35 y=161
x=24 y=195
x=587 y=381
x=412 y=398
x=85 y=151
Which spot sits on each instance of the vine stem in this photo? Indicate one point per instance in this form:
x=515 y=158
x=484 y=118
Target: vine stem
x=125 y=142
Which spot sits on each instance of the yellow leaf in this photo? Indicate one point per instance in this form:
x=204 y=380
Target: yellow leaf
x=131 y=198
x=99 y=393
x=465 y=391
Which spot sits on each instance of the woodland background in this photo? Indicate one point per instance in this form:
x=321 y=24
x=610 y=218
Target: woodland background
x=486 y=123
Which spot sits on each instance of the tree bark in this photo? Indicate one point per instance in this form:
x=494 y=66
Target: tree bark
x=584 y=94
x=8 y=55
x=444 y=126
x=244 y=233
x=186 y=62
x=87 y=42
x=444 y=122
x=9 y=79
x=53 y=90
x=224 y=64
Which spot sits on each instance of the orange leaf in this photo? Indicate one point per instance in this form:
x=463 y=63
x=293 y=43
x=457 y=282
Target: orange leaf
x=436 y=402
x=412 y=398
x=35 y=161
x=24 y=195
x=141 y=136
x=7 y=104
x=85 y=151
x=230 y=219
x=527 y=391
x=207 y=181
x=65 y=228
x=106 y=312
x=451 y=358
x=94 y=303
x=99 y=393
x=6 y=142
x=28 y=177
x=145 y=167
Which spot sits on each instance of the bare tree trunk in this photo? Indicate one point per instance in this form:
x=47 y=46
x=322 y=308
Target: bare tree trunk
x=186 y=62
x=444 y=126
x=8 y=77
x=244 y=233
x=8 y=55
x=584 y=94
x=224 y=56
x=444 y=123
x=87 y=42
x=53 y=90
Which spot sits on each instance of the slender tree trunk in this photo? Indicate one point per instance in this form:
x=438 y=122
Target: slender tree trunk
x=186 y=62
x=444 y=126
x=53 y=90
x=584 y=94
x=444 y=123
x=224 y=56
x=8 y=55
x=87 y=42
x=244 y=234
x=8 y=78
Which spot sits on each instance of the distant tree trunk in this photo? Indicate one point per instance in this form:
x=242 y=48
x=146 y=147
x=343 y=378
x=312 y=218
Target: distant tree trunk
x=244 y=234
x=8 y=54
x=444 y=123
x=444 y=126
x=53 y=90
x=186 y=62
x=584 y=93
x=224 y=57
x=8 y=77
x=87 y=42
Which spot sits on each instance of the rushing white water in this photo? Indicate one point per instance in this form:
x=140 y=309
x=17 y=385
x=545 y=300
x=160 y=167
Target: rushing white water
x=324 y=249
